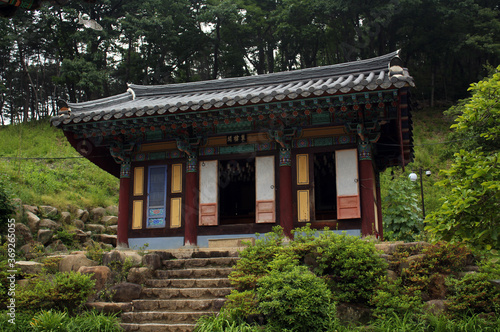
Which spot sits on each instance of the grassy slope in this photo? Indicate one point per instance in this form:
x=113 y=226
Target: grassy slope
x=64 y=183
x=79 y=183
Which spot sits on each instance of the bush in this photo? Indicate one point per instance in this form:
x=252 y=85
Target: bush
x=60 y=291
x=473 y=294
x=49 y=321
x=351 y=265
x=91 y=321
x=390 y=300
x=241 y=305
x=22 y=322
x=294 y=299
x=222 y=323
x=254 y=260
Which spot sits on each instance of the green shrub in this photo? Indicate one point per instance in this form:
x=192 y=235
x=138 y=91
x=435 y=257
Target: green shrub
x=52 y=321
x=351 y=265
x=22 y=322
x=67 y=238
x=254 y=260
x=294 y=299
x=441 y=258
x=91 y=321
x=389 y=299
x=96 y=252
x=223 y=323
x=241 y=305
x=473 y=294
x=60 y=291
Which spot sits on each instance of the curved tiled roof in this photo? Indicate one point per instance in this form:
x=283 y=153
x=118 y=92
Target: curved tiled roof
x=376 y=73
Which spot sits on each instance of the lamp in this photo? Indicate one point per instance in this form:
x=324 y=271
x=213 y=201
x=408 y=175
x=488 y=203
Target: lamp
x=413 y=177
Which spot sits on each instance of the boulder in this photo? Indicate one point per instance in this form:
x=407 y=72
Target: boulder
x=109 y=220
x=50 y=224
x=32 y=249
x=74 y=262
x=57 y=246
x=81 y=235
x=153 y=261
x=437 y=287
x=112 y=210
x=111 y=257
x=31 y=208
x=100 y=274
x=97 y=213
x=107 y=239
x=78 y=224
x=45 y=235
x=33 y=221
x=388 y=248
x=391 y=275
x=113 y=229
x=65 y=217
x=23 y=234
x=125 y=292
x=109 y=307
x=49 y=211
x=95 y=228
x=139 y=275
x=82 y=215
x=29 y=267
x=352 y=313
x=435 y=307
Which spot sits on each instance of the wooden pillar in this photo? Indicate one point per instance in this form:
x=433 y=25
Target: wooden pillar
x=367 y=191
x=123 y=205
x=285 y=192
x=191 y=205
x=379 y=209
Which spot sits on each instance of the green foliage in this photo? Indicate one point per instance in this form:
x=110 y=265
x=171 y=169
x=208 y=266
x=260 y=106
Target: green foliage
x=222 y=323
x=49 y=321
x=469 y=211
x=63 y=291
x=254 y=260
x=389 y=299
x=95 y=251
x=91 y=321
x=241 y=305
x=402 y=215
x=67 y=238
x=351 y=265
x=74 y=182
x=473 y=294
x=22 y=321
x=6 y=207
x=295 y=299
x=437 y=260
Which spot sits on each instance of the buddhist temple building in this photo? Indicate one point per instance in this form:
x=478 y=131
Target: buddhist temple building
x=228 y=158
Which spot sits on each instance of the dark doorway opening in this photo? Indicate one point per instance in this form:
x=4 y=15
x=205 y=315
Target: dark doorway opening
x=236 y=191
x=325 y=188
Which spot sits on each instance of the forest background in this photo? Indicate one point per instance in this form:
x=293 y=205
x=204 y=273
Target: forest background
x=46 y=55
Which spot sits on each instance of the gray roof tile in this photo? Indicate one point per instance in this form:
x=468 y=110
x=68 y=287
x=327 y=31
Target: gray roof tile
x=368 y=74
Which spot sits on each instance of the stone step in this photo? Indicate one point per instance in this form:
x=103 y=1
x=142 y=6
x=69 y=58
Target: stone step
x=199 y=262
x=188 y=283
x=178 y=305
x=158 y=327
x=165 y=317
x=184 y=293
x=194 y=273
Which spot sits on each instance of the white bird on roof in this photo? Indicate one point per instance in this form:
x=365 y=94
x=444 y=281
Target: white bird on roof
x=91 y=24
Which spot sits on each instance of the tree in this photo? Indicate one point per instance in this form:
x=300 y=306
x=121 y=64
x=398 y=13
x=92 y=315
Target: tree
x=470 y=210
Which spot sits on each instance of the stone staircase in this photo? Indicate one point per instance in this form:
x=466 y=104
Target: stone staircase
x=182 y=291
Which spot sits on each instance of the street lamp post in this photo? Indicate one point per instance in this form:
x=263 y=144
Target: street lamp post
x=413 y=177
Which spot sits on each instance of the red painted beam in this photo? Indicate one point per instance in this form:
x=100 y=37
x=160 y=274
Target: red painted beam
x=191 y=209
x=123 y=212
x=286 y=214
